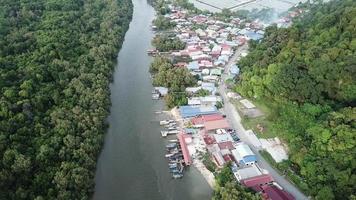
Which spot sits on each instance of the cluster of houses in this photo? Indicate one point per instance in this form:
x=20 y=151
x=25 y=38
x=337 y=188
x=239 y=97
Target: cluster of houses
x=287 y=20
x=210 y=43
x=224 y=146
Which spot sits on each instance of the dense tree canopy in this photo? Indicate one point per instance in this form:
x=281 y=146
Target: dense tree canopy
x=163 y=23
x=309 y=71
x=176 y=79
x=166 y=43
x=56 y=59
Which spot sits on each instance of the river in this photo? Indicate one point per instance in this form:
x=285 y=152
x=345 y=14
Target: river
x=132 y=165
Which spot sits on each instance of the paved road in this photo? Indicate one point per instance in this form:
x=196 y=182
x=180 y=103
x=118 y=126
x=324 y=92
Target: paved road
x=234 y=118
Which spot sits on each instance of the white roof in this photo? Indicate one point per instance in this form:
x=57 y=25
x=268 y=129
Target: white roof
x=194 y=101
x=247 y=103
x=210 y=98
x=216 y=48
x=192 y=89
x=243 y=150
x=223 y=138
x=207 y=84
x=247 y=172
x=205 y=71
x=221 y=131
x=162 y=90
x=210 y=77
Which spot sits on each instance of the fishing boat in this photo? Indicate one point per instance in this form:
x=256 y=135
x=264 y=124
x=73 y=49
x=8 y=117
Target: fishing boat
x=168 y=155
x=165 y=122
x=174 y=170
x=172 y=167
x=174 y=151
x=171 y=145
x=155 y=96
x=170 y=149
x=173 y=140
x=172 y=128
x=177 y=175
x=166 y=133
x=172 y=164
x=172 y=159
x=170 y=124
x=152 y=51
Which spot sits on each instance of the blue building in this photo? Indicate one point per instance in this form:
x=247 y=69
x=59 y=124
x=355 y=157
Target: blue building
x=244 y=155
x=192 y=111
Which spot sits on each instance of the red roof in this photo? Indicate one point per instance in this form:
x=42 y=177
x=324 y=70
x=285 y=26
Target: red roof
x=209 y=140
x=206 y=118
x=257 y=180
x=226 y=47
x=257 y=188
x=217 y=124
x=226 y=145
x=271 y=192
x=183 y=145
x=180 y=64
x=215 y=52
x=228 y=158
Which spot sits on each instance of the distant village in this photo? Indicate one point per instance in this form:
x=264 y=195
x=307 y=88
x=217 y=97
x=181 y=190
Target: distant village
x=201 y=126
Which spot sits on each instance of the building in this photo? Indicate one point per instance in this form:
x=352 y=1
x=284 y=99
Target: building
x=272 y=192
x=219 y=138
x=226 y=145
x=183 y=144
x=243 y=155
x=194 y=65
x=216 y=124
x=234 y=70
x=257 y=181
x=219 y=159
x=205 y=101
x=163 y=91
x=193 y=111
x=246 y=172
x=205 y=118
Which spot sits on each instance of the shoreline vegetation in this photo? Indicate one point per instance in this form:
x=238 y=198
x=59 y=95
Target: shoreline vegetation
x=307 y=71
x=56 y=60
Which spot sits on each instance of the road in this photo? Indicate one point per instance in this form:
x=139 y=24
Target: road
x=235 y=120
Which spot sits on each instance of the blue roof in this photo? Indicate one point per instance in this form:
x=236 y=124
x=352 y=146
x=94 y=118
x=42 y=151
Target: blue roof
x=190 y=130
x=208 y=86
x=253 y=35
x=192 y=111
x=193 y=65
x=248 y=159
x=234 y=69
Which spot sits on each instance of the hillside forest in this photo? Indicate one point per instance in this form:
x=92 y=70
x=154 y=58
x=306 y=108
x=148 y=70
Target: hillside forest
x=56 y=59
x=306 y=74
